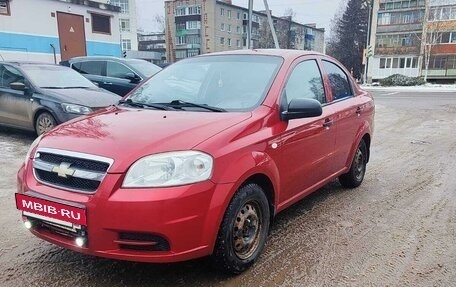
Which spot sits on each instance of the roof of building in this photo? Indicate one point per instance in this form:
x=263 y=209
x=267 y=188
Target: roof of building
x=93 y=4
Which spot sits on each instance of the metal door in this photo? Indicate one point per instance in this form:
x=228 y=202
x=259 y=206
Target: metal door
x=71 y=35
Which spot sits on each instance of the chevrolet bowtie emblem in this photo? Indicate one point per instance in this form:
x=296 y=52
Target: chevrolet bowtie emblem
x=63 y=170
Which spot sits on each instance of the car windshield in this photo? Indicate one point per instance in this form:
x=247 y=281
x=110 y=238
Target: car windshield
x=56 y=77
x=144 y=67
x=229 y=82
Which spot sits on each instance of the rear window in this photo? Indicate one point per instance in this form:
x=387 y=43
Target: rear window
x=90 y=67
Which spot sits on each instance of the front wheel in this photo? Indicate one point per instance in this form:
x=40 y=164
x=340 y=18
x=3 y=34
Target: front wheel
x=243 y=231
x=44 y=122
x=354 y=177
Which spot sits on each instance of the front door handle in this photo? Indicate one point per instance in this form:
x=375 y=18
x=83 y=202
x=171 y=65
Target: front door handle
x=358 y=111
x=107 y=83
x=328 y=123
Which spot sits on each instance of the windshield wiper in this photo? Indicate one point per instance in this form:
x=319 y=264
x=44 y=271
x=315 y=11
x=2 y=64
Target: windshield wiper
x=64 y=88
x=181 y=104
x=143 y=105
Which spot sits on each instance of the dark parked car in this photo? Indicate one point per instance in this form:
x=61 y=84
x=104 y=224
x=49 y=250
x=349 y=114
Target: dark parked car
x=117 y=75
x=40 y=96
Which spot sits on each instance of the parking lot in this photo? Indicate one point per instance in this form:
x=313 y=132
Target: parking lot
x=397 y=229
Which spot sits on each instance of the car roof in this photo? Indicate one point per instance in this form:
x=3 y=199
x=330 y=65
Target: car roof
x=284 y=53
x=100 y=58
x=27 y=63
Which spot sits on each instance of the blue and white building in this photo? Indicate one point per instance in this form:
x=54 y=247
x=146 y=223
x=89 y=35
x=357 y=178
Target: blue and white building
x=55 y=30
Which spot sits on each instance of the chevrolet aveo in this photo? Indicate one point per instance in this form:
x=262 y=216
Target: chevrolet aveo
x=199 y=159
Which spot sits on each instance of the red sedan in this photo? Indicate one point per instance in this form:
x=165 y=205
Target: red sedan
x=199 y=159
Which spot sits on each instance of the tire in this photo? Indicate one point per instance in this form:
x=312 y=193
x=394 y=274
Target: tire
x=44 y=122
x=354 y=177
x=247 y=215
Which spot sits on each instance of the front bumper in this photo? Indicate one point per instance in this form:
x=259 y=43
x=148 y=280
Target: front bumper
x=186 y=218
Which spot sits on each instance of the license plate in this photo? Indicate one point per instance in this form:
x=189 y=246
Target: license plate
x=50 y=209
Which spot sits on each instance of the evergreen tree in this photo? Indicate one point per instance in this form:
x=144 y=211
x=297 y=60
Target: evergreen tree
x=349 y=34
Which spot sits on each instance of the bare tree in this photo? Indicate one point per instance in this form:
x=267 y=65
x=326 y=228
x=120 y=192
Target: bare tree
x=160 y=22
x=432 y=36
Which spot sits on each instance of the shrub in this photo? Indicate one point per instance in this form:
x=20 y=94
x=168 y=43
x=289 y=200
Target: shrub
x=401 y=80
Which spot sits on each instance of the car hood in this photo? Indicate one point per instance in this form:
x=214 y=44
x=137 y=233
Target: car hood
x=125 y=134
x=93 y=98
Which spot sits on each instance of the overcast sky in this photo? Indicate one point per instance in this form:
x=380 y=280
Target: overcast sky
x=320 y=12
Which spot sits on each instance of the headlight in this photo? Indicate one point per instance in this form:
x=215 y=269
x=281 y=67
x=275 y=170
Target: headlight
x=32 y=148
x=169 y=169
x=76 y=109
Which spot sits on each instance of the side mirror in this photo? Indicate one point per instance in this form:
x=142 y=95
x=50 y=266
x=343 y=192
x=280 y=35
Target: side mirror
x=132 y=77
x=302 y=108
x=18 y=86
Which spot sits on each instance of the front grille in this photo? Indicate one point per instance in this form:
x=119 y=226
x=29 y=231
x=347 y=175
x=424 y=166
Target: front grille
x=85 y=185
x=77 y=163
x=70 y=170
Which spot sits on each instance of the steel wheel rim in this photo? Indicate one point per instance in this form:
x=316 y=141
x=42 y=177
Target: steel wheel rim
x=44 y=124
x=246 y=230
x=359 y=165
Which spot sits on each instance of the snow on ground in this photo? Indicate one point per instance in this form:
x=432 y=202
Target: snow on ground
x=423 y=88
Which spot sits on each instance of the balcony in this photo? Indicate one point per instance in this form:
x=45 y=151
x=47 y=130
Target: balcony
x=184 y=32
x=397 y=51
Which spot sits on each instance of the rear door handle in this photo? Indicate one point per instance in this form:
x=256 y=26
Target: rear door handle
x=107 y=83
x=328 y=123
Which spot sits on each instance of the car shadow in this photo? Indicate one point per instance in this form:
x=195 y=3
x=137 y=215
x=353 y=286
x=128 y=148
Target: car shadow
x=199 y=272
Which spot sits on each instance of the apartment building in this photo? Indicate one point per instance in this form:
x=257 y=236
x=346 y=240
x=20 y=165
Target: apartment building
x=154 y=42
x=195 y=27
x=409 y=36
x=55 y=30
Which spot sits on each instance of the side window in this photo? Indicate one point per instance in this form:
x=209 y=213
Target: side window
x=9 y=75
x=117 y=70
x=340 y=85
x=306 y=82
x=90 y=67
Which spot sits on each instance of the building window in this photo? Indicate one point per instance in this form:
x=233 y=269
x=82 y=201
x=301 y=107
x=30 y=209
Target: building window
x=193 y=52
x=238 y=30
x=401 y=4
x=443 y=13
x=238 y=15
x=190 y=25
x=222 y=27
x=123 y=4
x=181 y=11
x=229 y=28
x=194 y=10
x=222 y=11
x=126 y=44
x=101 y=24
x=4 y=7
x=238 y=43
x=125 y=25
x=229 y=14
x=180 y=40
x=222 y=41
x=229 y=42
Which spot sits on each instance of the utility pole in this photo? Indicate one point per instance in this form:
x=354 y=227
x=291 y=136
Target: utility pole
x=369 y=24
x=271 y=25
x=249 y=32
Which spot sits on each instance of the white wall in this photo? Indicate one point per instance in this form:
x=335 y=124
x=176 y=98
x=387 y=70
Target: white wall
x=33 y=18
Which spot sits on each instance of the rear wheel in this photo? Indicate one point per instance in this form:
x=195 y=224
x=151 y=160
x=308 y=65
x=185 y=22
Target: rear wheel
x=243 y=231
x=354 y=177
x=44 y=122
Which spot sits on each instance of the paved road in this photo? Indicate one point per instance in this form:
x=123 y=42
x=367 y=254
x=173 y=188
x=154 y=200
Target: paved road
x=397 y=229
